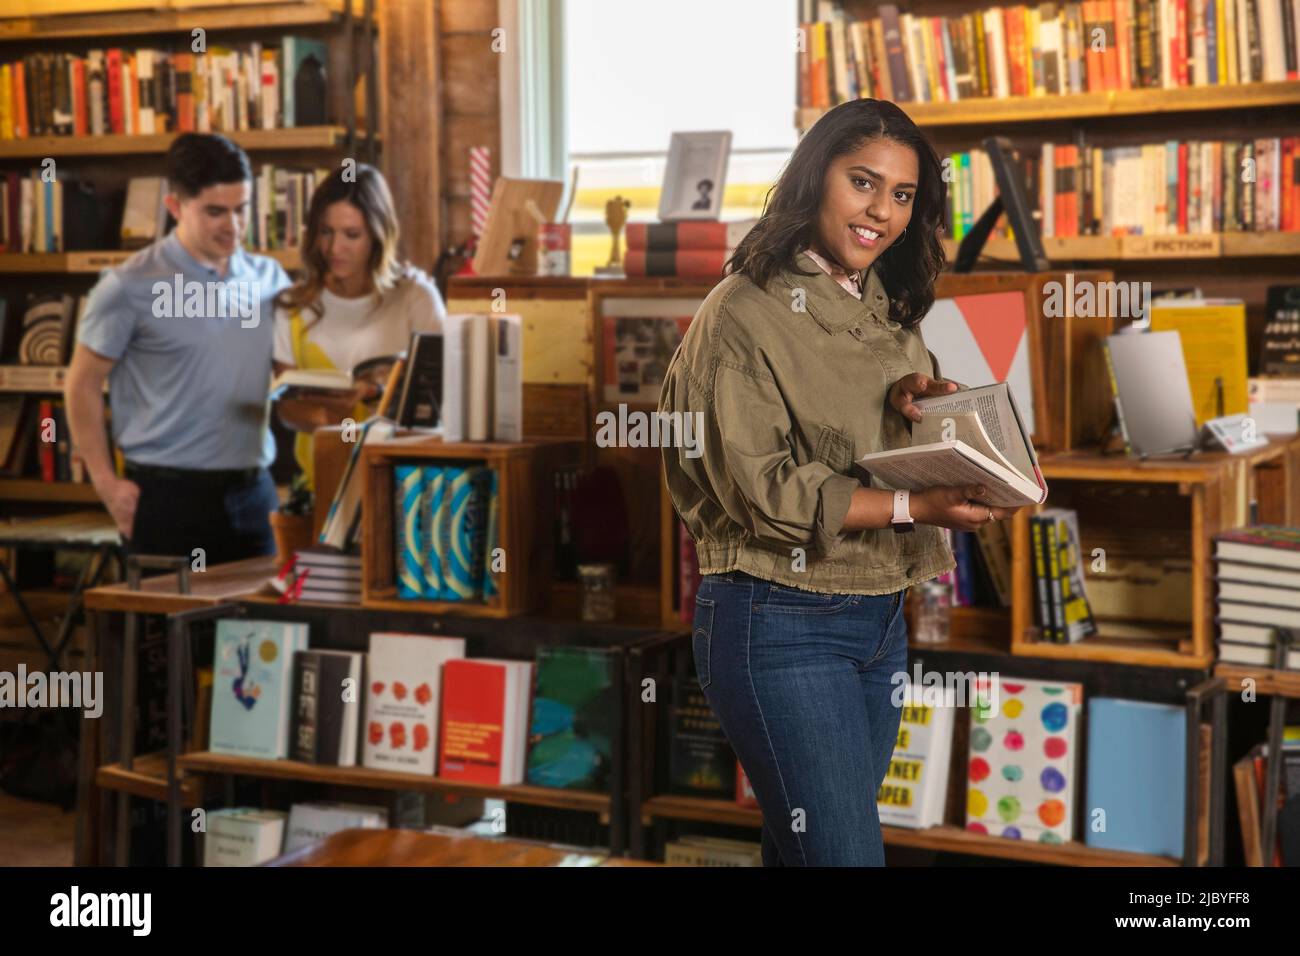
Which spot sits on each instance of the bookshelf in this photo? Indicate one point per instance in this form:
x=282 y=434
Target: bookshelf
x=110 y=144
x=940 y=839
x=69 y=21
x=92 y=263
x=987 y=111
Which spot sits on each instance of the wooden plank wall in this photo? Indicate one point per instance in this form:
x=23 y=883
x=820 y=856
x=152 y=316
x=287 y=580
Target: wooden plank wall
x=439 y=97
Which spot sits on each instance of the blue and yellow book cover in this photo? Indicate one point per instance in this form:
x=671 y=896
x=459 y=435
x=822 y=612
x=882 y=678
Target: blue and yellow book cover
x=433 y=515
x=409 y=494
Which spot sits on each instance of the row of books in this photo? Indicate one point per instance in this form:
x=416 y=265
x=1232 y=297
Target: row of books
x=1043 y=49
x=147 y=91
x=1178 y=187
x=1024 y=766
x=249 y=836
x=41 y=214
x=1250 y=782
x=415 y=704
x=1258 y=573
x=1062 y=611
x=35 y=440
x=446 y=532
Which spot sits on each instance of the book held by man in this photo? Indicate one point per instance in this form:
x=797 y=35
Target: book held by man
x=975 y=436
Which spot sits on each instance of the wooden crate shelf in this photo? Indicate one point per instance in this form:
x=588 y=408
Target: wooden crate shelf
x=525 y=482
x=989 y=111
x=205 y=762
x=39 y=147
x=1160 y=509
x=942 y=839
x=1266 y=679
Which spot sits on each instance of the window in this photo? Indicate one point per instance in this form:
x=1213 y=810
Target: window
x=632 y=74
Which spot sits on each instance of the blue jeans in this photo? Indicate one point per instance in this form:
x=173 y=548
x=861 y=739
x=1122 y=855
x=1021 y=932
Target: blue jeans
x=802 y=684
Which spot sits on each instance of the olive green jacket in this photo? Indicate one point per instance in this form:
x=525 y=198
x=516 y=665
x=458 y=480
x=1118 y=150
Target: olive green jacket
x=793 y=384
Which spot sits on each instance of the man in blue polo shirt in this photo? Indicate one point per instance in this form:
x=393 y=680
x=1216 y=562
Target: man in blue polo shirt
x=182 y=331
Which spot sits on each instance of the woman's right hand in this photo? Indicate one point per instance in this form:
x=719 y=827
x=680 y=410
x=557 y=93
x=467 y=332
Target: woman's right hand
x=120 y=496
x=957 y=508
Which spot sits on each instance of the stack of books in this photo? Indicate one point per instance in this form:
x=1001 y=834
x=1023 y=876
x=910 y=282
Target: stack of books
x=687 y=249
x=1258 y=571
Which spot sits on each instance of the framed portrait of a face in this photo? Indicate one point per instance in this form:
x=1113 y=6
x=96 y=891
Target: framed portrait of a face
x=695 y=176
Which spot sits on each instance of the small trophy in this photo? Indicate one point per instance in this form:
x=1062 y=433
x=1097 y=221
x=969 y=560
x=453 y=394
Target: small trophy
x=615 y=218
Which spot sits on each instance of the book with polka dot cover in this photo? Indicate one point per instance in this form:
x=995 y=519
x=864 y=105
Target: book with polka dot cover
x=1022 y=773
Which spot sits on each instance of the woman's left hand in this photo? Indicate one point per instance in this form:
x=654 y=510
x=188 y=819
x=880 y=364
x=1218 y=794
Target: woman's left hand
x=909 y=388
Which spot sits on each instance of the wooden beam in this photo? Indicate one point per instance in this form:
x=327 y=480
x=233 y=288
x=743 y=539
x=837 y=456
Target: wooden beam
x=410 y=112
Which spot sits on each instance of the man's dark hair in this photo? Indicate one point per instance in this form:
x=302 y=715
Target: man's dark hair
x=196 y=161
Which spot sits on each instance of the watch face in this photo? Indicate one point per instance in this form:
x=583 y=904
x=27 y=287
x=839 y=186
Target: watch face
x=902 y=527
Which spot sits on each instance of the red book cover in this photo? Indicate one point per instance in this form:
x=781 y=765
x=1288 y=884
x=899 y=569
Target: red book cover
x=1180 y=43
x=1013 y=25
x=1182 y=187
x=1095 y=68
x=473 y=714
x=744 y=789
x=1290 y=189
x=1124 y=54
x=941 y=64
x=670 y=236
x=45 y=414
x=819 y=40
x=183 y=63
x=21 y=129
x=695 y=263
x=80 y=116
x=113 y=77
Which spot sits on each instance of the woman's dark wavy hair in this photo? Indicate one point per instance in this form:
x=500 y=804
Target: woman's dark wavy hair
x=788 y=225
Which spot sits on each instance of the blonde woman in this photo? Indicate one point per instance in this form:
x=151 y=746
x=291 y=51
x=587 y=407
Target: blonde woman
x=355 y=301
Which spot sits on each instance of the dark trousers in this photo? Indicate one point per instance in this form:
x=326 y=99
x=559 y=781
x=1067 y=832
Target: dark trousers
x=223 y=513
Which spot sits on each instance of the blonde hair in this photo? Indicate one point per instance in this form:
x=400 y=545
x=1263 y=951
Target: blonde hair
x=368 y=192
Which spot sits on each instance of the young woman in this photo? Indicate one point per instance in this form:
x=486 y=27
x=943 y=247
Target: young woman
x=806 y=357
x=355 y=301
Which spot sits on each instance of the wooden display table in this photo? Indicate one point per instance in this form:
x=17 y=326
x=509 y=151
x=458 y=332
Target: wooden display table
x=414 y=848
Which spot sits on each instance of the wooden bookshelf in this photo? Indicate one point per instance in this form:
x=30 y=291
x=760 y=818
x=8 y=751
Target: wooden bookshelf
x=40 y=21
x=1167 y=507
x=148 y=778
x=940 y=839
x=525 y=487
x=1266 y=679
x=990 y=111
x=113 y=144
x=1227 y=245
x=91 y=263
x=33 y=489
x=204 y=762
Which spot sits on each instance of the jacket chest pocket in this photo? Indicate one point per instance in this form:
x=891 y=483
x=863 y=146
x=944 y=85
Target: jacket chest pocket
x=834 y=449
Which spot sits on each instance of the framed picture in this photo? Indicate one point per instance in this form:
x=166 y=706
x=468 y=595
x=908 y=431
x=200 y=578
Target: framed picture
x=638 y=336
x=695 y=177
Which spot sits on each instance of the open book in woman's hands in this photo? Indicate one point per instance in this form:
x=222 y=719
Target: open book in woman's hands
x=971 y=437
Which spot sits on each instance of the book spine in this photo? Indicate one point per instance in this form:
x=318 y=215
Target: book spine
x=1054 y=580
x=1038 y=549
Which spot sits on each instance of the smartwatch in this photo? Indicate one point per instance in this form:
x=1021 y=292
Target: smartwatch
x=902 y=520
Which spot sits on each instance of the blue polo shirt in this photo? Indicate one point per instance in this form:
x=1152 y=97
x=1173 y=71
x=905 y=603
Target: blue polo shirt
x=192 y=353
